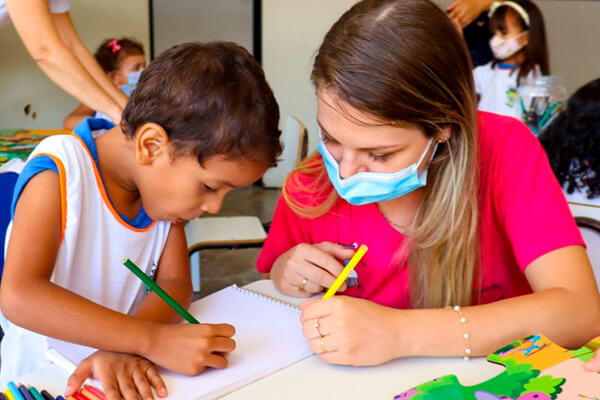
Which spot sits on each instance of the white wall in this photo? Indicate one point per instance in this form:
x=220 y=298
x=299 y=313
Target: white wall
x=293 y=30
x=22 y=82
x=292 y=33
x=177 y=21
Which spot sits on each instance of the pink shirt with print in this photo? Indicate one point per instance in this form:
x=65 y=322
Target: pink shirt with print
x=524 y=215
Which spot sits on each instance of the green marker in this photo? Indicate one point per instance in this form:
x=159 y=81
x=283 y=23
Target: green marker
x=160 y=292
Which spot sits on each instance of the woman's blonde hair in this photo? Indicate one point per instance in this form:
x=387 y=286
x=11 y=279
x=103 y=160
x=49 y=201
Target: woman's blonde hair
x=403 y=62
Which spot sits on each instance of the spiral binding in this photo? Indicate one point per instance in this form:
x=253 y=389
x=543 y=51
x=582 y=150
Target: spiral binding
x=273 y=299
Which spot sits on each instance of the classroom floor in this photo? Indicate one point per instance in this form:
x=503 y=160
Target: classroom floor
x=220 y=268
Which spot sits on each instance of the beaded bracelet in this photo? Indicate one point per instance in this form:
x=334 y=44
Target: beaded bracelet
x=463 y=321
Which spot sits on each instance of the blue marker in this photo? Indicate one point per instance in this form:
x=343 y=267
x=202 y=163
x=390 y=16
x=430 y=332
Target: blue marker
x=14 y=391
x=25 y=393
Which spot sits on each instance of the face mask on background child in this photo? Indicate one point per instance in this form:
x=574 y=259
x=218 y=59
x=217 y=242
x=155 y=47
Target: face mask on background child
x=504 y=48
x=132 y=80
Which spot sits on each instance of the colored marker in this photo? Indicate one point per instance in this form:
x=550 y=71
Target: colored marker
x=346 y=271
x=59 y=397
x=25 y=393
x=2 y=396
x=89 y=394
x=547 y=115
x=15 y=391
x=36 y=395
x=8 y=395
x=79 y=396
x=160 y=292
x=46 y=395
x=97 y=392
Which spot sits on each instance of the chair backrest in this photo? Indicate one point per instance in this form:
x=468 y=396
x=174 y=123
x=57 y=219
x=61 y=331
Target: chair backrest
x=292 y=139
x=586 y=210
x=590 y=230
x=7 y=186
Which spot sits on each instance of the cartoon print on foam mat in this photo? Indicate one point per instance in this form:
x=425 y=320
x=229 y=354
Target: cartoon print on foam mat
x=535 y=369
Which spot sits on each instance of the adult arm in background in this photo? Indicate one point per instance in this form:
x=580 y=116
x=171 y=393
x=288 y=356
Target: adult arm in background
x=463 y=12
x=52 y=42
x=77 y=115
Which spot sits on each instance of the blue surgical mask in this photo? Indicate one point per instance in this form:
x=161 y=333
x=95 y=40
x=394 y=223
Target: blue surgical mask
x=371 y=187
x=132 y=80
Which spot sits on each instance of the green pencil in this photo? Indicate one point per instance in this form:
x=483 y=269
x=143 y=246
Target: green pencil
x=160 y=292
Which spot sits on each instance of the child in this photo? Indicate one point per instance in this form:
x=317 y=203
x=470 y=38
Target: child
x=519 y=47
x=572 y=142
x=471 y=244
x=122 y=60
x=201 y=122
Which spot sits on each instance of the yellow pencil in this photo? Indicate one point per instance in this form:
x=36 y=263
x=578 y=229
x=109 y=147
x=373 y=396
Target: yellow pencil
x=339 y=281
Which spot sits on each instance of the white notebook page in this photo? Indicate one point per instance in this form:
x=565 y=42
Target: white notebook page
x=268 y=338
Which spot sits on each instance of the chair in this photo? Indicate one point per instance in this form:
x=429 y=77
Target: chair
x=7 y=185
x=243 y=231
x=220 y=233
x=587 y=217
x=294 y=140
x=590 y=230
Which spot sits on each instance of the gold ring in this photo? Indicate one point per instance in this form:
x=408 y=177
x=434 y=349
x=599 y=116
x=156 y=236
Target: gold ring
x=317 y=326
x=322 y=344
x=302 y=284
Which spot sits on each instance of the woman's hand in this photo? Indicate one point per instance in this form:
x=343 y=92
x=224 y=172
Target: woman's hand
x=463 y=12
x=351 y=331
x=307 y=269
x=122 y=375
x=189 y=348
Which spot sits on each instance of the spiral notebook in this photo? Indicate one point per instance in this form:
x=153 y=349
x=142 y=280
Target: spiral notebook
x=268 y=338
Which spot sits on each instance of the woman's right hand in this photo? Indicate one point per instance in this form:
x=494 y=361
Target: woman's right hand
x=189 y=349
x=307 y=269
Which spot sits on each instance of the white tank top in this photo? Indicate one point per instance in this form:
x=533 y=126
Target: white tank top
x=95 y=240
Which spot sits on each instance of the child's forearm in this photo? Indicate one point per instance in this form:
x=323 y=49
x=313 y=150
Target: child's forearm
x=51 y=310
x=155 y=309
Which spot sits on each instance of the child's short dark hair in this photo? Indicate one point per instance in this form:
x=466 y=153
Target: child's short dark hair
x=112 y=52
x=211 y=99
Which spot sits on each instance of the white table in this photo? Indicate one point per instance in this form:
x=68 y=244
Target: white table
x=314 y=379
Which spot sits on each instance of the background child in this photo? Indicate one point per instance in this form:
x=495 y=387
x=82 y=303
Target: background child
x=466 y=225
x=572 y=142
x=519 y=47
x=121 y=59
x=201 y=122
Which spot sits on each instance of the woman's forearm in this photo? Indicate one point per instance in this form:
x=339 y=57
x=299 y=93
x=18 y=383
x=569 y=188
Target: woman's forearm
x=35 y=25
x=68 y=35
x=555 y=313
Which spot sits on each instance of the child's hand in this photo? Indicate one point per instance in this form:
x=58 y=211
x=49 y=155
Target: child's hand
x=351 y=331
x=189 y=348
x=306 y=269
x=122 y=375
x=594 y=363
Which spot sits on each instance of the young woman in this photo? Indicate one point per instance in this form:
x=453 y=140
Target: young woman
x=471 y=242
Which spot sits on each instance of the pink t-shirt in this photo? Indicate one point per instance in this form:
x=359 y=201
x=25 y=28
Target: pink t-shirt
x=524 y=215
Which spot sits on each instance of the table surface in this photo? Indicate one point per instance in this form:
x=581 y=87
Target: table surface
x=313 y=379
